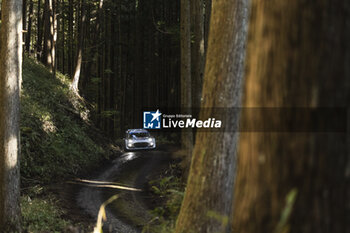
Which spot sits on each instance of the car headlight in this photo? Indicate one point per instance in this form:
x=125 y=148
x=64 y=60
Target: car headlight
x=130 y=142
x=150 y=139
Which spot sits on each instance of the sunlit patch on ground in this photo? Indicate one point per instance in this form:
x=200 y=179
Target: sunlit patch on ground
x=105 y=184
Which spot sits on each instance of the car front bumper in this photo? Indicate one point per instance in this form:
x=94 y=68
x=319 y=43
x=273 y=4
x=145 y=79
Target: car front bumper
x=141 y=146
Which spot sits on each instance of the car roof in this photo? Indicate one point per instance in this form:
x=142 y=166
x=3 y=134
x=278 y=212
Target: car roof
x=137 y=131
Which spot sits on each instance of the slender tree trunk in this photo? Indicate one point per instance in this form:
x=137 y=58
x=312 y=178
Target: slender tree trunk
x=63 y=38
x=24 y=15
x=100 y=60
x=96 y=53
x=77 y=72
x=70 y=38
x=120 y=73
x=88 y=43
x=29 y=31
x=208 y=198
x=48 y=50
x=186 y=96
x=58 y=14
x=53 y=36
x=140 y=66
x=207 y=23
x=39 y=33
x=198 y=53
x=108 y=71
x=46 y=23
x=10 y=85
x=298 y=56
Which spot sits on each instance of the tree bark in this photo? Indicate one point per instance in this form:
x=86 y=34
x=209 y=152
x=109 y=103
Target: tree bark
x=39 y=33
x=77 y=72
x=24 y=15
x=53 y=29
x=208 y=198
x=63 y=38
x=29 y=31
x=70 y=38
x=298 y=56
x=198 y=52
x=186 y=98
x=49 y=25
x=207 y=23
x=10 y=81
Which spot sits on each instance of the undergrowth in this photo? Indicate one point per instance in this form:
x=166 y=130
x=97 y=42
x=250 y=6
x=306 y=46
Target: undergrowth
x=54 y=140
x=168 y=191
x=42 y=215
x=57 y=143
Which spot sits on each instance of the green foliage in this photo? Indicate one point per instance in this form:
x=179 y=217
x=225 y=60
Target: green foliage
x=54 y=140
x=42 y=215
x=223 y=219
x=109 y=113
x=169 y=189
x=108 y=71
x=96 y=80
x=163 y=185
x=283 y=225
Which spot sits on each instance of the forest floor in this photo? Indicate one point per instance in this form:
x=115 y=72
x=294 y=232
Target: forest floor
x=59 y=143
x=154 y=203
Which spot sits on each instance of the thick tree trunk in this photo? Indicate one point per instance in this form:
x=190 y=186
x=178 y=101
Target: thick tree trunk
x=186 y=98
x=298 y=56
x=10 y=82
x=208 y=199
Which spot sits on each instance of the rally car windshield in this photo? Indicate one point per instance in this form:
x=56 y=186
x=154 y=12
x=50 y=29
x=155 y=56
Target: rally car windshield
x=139 y=135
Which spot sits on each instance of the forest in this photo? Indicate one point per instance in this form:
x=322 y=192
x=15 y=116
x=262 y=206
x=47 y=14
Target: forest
x=264 y=87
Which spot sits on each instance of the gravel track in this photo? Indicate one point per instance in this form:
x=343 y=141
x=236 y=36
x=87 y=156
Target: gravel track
x=129 y=213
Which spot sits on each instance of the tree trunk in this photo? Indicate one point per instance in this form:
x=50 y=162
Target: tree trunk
x=298 y=56
x=70 y=38
x=24 y=15
x=39 y=33
x=46 y=42
x=53 y=36
x=207 y=23
x=186 y=100
x=29 y=31
x=77 y=72
x=10 y=82
x=198 y=53
x=63 y=38
x=49 y=48
x=139 y=56
x=208 y=199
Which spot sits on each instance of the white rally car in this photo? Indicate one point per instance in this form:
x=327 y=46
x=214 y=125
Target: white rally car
x=139 y=139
